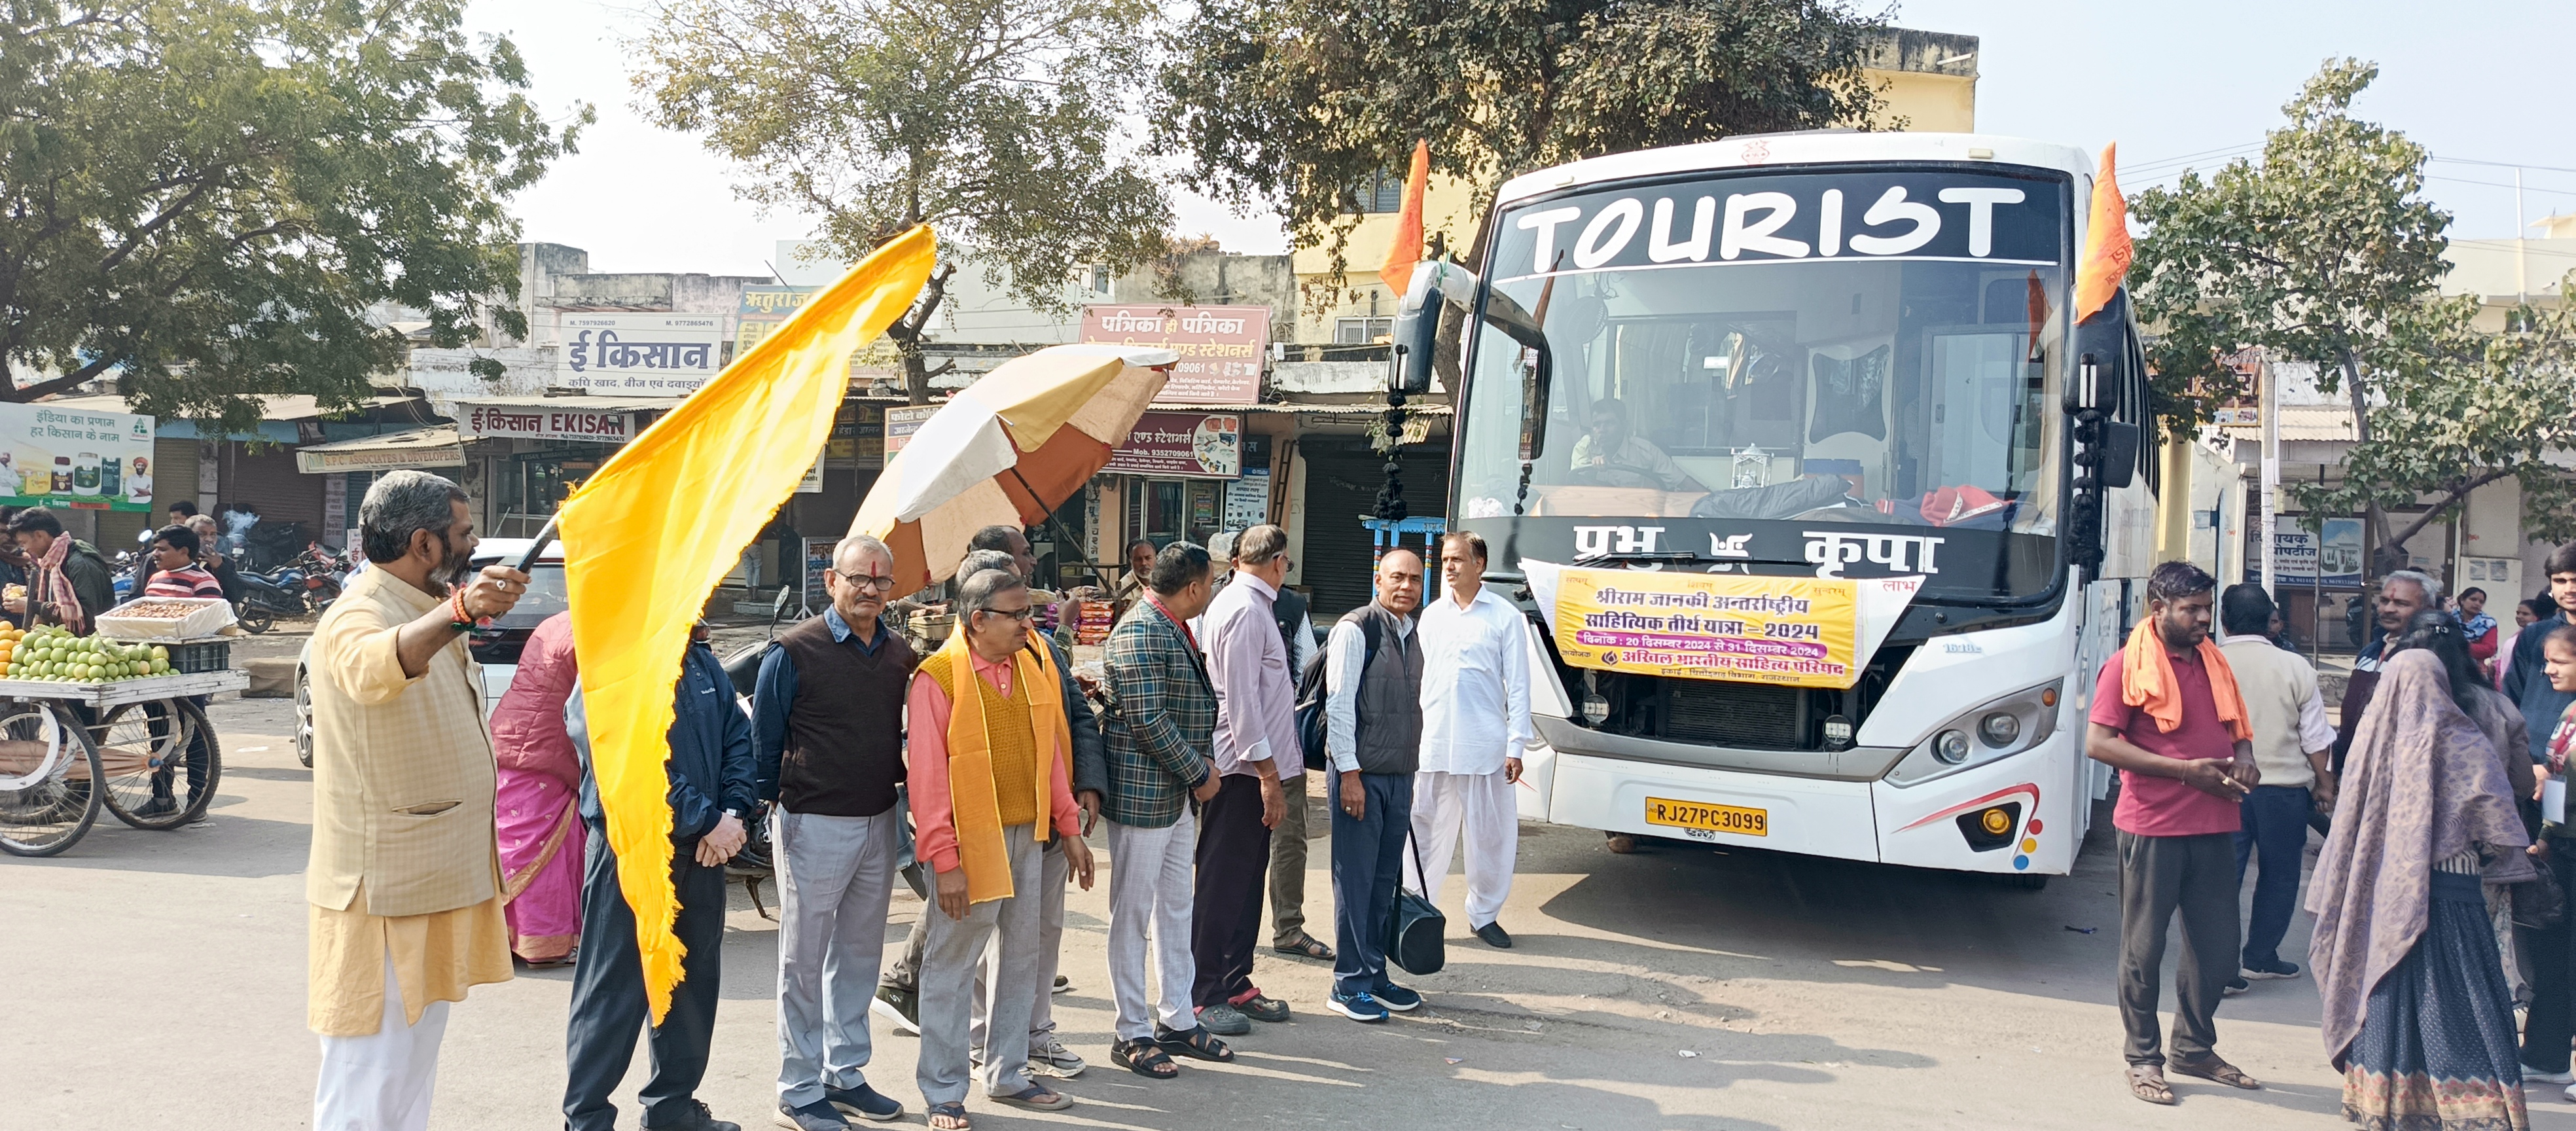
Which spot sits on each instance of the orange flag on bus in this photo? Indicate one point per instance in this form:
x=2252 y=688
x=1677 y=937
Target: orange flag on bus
x=2106 y=242
x=650 y=534
x=1405 y=249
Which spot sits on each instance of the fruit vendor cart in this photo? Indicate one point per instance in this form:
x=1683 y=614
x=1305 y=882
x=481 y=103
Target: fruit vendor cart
x=91 y=723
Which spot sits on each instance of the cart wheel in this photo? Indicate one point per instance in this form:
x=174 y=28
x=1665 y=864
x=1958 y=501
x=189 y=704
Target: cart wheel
x=47 y=769
x=159 y=762
x=254 y=618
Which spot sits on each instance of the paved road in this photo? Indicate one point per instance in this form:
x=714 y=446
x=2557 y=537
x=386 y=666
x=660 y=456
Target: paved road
x=158 y=977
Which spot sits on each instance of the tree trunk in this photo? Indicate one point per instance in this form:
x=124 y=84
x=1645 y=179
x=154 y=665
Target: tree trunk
x=907 y=331
x=2385 y=549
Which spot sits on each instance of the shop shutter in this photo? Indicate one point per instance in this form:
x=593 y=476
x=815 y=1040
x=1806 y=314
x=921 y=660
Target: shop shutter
x=1342 y=480
x=174 y=473
x=269 y=482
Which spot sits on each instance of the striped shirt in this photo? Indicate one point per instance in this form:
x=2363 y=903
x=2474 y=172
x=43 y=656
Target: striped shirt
x=192 y=581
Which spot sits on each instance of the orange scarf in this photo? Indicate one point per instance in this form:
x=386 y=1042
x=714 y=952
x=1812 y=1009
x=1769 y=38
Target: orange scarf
x=2147 y=680
x=976 y=809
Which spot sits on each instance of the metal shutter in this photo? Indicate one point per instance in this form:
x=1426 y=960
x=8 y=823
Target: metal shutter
x=269 y=482
x=1342 y=480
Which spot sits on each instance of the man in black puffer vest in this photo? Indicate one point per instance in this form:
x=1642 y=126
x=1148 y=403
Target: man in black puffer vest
x=1373 y=734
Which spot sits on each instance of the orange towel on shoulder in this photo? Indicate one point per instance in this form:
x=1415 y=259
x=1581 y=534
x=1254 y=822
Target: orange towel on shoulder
x=2147 y=681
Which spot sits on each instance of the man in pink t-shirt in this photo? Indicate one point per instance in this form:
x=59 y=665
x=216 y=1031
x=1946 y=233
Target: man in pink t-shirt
x=2177 y=822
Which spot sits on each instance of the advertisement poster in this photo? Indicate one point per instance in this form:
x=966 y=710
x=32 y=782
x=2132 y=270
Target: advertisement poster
x=1190 y=445
x=56 y=457
x=1800 y=631
x=2296 y=552
x=1247 y=501
x=901 y=422
x=818 y=561
x=1220 y=346
x=661 y=355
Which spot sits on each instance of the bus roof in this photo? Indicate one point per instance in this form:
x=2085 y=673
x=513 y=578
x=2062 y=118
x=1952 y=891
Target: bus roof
x=1804 y=148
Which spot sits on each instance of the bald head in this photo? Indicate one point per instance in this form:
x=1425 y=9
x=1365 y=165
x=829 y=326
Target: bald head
x=1399 y=582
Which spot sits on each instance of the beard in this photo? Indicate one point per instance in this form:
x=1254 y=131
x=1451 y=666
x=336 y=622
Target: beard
x=459 y=565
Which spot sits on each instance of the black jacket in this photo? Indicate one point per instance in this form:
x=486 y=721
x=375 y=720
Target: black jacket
x=711 y=762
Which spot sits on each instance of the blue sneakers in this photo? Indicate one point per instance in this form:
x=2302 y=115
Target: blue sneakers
x=862 y=1101
x=1357 y=1007
x=1396 y=997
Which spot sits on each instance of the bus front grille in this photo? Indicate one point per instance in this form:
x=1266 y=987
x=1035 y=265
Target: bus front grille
x=1753 y=716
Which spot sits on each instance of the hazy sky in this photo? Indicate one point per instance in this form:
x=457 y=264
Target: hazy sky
x=2196 y=79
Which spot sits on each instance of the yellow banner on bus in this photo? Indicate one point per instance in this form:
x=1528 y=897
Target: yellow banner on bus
x=1798 y=631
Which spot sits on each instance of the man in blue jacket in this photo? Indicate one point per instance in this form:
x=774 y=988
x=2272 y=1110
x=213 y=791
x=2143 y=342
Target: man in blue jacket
x=712 y=794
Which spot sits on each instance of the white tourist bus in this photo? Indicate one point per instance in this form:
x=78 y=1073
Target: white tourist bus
x=1846 y=355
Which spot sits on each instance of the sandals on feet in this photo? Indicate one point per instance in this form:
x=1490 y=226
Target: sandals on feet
x=2212 y=1068
x=1197 y=1043
x=1306 y=946
x=1039 y=1097
x=953 y=1113
x=1144 y=1058
x=2147 y=1082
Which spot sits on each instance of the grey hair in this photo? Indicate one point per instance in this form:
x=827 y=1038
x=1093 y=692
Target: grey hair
x=978 y=561
x=2432 y=587
x=859 y=542
x=1220 y=546
x=400 y=505
x=976 y=594
x=1259 y=545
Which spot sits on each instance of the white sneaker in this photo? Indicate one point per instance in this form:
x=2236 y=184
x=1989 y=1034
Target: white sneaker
x=1049 y=1057
x=886 y=1012
x=2570 y=1093
x=2532 y=1075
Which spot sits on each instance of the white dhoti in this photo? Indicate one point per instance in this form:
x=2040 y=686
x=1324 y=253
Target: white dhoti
x=381 y=1082
x=1481 y=804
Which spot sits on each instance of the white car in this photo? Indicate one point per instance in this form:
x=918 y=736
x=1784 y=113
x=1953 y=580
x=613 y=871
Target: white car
x=498 y=652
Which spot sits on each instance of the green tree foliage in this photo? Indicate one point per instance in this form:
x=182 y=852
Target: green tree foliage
x=205 y=197
x=2327 y=252
x=991 y=120
x=2473 y=410
x=1297 y=104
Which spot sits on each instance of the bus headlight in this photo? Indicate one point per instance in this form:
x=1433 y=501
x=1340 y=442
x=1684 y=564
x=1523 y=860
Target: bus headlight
x=1951 y=747
x=1999 y=728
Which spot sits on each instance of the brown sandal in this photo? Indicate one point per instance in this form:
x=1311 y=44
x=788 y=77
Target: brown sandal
x=2214 y=1069
x=2147 y=1082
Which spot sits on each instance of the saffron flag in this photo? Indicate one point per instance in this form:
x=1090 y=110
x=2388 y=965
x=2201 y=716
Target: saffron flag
x=1405 y=249
x=2106 y=242
x=653 y=531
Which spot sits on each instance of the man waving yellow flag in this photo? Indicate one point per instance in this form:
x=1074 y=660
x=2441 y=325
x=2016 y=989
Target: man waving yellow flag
x=647 y=538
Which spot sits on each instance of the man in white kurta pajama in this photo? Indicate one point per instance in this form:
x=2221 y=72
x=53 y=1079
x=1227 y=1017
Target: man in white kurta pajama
x=1475 y=724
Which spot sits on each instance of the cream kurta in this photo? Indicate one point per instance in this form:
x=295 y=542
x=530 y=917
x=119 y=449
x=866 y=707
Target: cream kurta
x=404 y=860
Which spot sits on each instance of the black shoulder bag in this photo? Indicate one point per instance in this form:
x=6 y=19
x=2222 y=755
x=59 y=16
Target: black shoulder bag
x=1417 y=932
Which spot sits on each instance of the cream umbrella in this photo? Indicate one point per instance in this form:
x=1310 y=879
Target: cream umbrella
x=1007 y=451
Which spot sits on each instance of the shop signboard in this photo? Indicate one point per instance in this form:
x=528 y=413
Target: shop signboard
x=52 y=456
x=1188 y=445
x=667 y=355
x=764 y=309
x=1247 y=500
x=1220 y=346
x=902 y=422
x=818 y=561
x=529 y=422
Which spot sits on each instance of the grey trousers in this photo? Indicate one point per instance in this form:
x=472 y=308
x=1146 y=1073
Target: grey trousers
x=833 y=873
x=906 y=971
x=2159 y=876
x=955 y=949
x=1149 y=887
x=1288 y=864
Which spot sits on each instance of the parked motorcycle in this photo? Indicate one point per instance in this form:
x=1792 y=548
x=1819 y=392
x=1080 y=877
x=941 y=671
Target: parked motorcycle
x=306 y=585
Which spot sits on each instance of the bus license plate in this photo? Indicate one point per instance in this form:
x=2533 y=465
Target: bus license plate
x=1713 y=818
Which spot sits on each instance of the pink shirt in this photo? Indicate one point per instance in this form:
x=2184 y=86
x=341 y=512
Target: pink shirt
x=2158 y=806
x=1256 y=694
x=934 y=815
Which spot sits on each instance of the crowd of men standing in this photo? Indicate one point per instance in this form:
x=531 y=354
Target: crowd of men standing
x=974 y=773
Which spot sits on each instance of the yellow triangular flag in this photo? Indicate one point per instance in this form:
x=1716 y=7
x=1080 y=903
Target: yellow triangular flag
x=649 y=536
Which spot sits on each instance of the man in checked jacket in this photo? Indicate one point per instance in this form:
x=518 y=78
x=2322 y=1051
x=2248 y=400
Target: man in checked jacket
x=1160 y=731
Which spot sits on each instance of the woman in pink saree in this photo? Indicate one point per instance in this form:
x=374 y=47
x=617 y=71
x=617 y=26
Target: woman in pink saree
x=540 y=789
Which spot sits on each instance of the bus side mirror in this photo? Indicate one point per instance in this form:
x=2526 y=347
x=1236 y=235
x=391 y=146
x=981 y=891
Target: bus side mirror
x=1414 y=342
x=2119 y=450
x=1538 y=368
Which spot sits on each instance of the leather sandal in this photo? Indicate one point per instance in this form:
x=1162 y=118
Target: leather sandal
x=2147 y=1082
x=2212 y=1068
x=1194 y=1042
x=1305 y=946
x=1144 y=1058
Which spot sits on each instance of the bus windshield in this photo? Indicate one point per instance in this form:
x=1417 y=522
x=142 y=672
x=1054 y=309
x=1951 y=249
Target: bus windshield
x=1872 y=347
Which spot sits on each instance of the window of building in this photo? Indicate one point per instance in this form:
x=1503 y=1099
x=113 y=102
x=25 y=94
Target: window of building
x=1100 y=278
x=1362 y=331
x=1381 y=193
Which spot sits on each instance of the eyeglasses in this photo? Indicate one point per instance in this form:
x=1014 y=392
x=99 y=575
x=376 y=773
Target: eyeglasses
x=867 y=581
x=1022 y=613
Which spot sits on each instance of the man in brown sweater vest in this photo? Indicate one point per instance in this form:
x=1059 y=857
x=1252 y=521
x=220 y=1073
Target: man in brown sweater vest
x=828 y=729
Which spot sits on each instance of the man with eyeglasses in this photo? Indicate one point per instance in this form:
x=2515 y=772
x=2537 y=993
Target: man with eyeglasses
x=828 y=732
